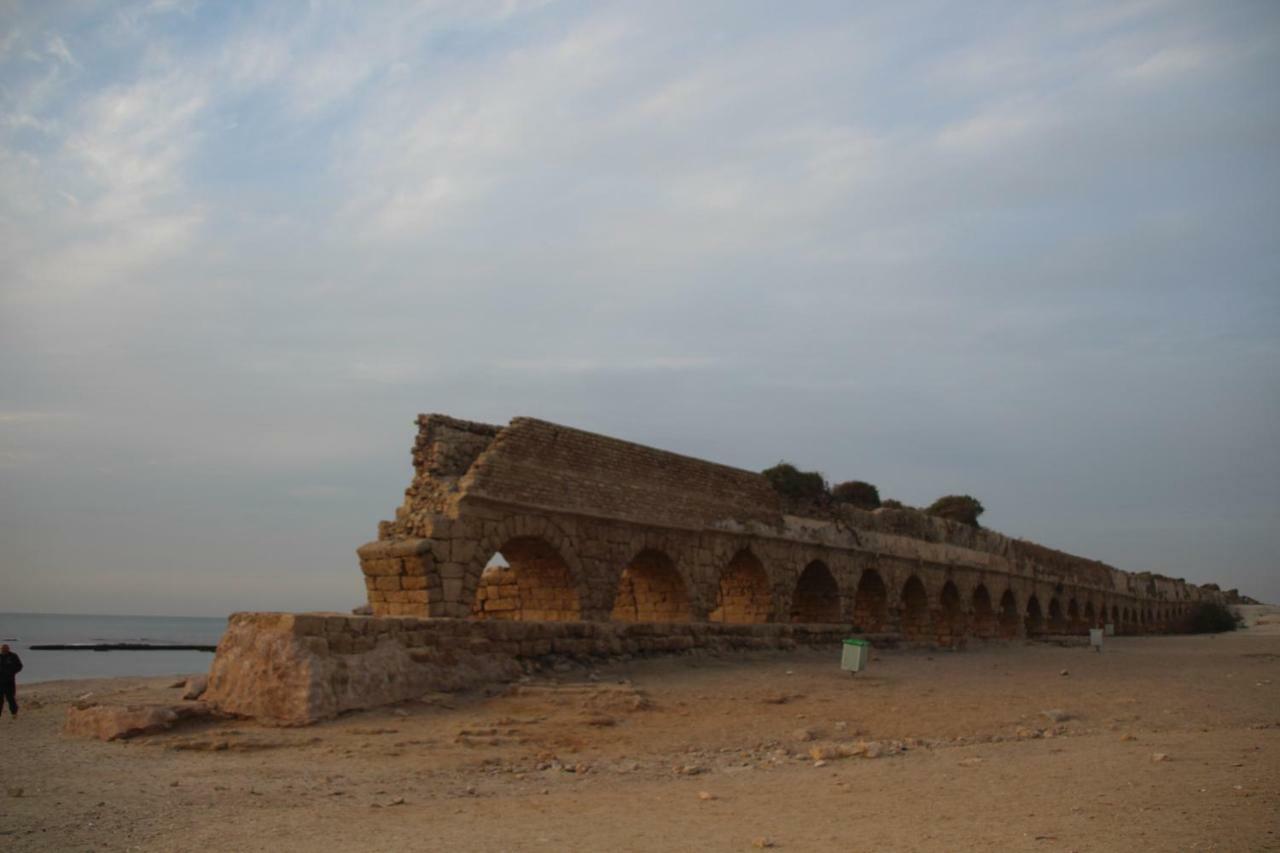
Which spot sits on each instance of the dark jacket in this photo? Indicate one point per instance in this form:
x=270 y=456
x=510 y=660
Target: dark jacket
x=10 y=665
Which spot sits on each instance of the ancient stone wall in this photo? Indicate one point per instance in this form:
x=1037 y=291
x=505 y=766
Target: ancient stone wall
x=297 y=668
x=595 y=529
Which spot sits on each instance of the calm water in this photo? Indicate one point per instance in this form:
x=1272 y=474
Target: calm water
x=20 y=630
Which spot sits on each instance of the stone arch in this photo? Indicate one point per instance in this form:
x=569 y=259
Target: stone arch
x=1008 y=618
x=1034 y=618
x=915 y=610
x=743 y=595
x=1074 y=623
x=871 y=602
x=651 y=590
x=496 y=537
x=1057 y=620
x=982 y=620
x=1090 y=617
x=950 y=615
x=532 y=582
x=817 y=595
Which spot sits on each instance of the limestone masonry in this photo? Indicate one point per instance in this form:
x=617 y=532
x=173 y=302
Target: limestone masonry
x=596 y=529
x=609 y=548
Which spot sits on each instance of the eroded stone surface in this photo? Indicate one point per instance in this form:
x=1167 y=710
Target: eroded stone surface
x=119 y=722
x=297 y=668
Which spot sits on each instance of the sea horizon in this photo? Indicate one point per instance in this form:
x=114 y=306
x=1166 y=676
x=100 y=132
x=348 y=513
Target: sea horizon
x=21 y=630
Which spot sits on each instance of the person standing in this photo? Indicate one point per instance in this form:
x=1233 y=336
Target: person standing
x=10 y=666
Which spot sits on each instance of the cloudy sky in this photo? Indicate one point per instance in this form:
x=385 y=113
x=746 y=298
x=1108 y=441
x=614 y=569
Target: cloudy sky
x=1025 y=251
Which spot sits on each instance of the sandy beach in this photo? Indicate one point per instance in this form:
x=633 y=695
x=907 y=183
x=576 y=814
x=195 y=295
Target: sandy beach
x=1158 y=743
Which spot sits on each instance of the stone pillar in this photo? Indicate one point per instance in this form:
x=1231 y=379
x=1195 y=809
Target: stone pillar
x=400 y=577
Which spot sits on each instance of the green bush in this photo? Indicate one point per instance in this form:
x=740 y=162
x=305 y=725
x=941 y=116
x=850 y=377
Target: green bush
x=962 y=508
x=1210 y=617
x=791 y=482
x=856 y=492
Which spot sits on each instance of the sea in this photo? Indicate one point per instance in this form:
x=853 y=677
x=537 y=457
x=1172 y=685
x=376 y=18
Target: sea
x=22 y=630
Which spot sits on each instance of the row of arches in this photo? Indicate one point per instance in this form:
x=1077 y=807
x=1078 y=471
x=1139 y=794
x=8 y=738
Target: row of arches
x=532 y=581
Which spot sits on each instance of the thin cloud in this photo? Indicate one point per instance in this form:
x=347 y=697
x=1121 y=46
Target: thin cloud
x=1023 y=252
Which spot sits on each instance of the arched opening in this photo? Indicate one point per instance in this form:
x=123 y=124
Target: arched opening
x=527 y=580
x=1057 y=622
x=915 y=610
x=983 y=615
x=950 y=615
x=1035 y=618
x=1074 y=625
x=743 y=596
x=1008 y=614
x=1090 y=617
x=871 y=602
x=651 y=590
x=1115 y=617
x=817 y=596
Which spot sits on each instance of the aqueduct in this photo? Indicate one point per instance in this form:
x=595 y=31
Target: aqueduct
x=594 y=529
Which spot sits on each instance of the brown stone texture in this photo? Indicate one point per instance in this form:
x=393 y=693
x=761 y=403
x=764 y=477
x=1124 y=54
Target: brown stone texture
x=120 y=722
x=596 y=529
x=297 y=668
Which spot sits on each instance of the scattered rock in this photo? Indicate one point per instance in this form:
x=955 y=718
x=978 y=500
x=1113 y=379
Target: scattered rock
x=1057 y=715
x=1064 y=672
x=689 y=770
x=14 y=792
x=1126 y=737
x=1159 y=756
x=803 y=735
x=969 y=762
x=762 y=841
x=706 y=795
x=820 y=763
x=196 y=685
x=118 y=722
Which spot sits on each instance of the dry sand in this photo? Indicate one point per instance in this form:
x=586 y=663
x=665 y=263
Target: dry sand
x=700 y=753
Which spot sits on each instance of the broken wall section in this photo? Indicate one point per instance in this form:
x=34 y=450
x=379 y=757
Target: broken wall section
x=443 y=451
x=298 y=668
